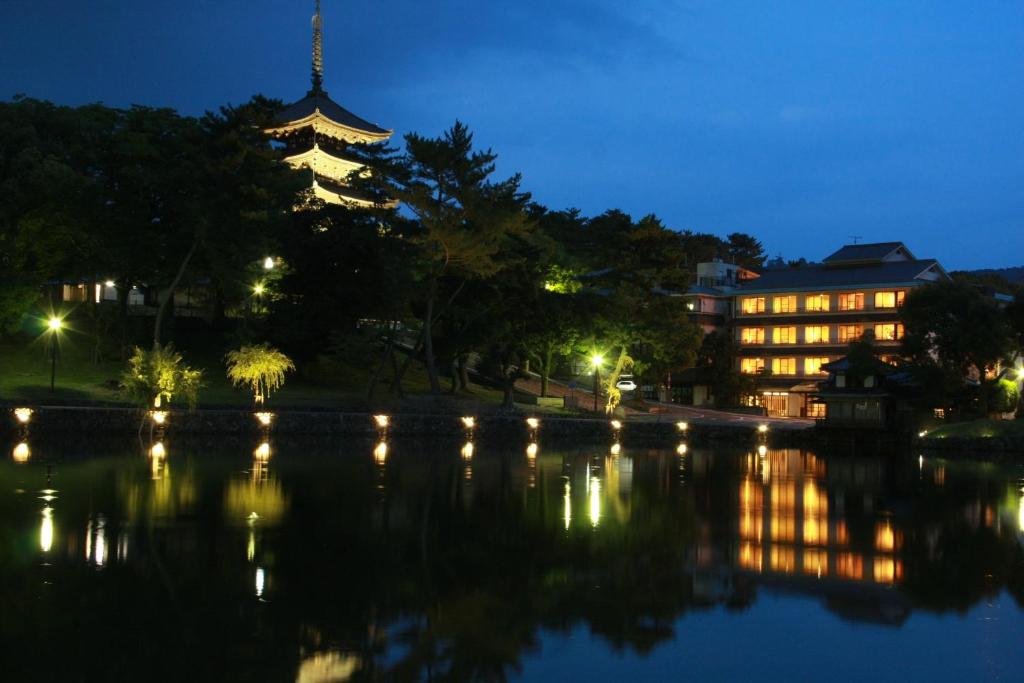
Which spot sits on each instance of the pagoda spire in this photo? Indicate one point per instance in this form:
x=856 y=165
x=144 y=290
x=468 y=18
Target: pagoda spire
x=318 y=52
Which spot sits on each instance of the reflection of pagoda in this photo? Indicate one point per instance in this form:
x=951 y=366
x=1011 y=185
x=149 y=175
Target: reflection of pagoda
x=316 y=132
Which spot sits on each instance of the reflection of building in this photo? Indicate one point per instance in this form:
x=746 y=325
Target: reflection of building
x=317 y=133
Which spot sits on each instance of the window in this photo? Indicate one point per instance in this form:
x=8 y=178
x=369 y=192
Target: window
x=812 y=366
x=751 y=366
x=848 y=333
x=784 y=335
x=889 y=299
x=752 y=335
x=753 y=304
x=892 y=360
x=851 y=302
x=888 y=331
x=816 y=334
x=783 y=366
x=816 y=410
x=817 y=302
x=784 y=304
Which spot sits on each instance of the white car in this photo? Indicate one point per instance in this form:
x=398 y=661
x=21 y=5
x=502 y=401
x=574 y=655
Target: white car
x=625 y=385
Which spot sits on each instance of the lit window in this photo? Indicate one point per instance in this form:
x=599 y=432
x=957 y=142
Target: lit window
x=753 y=304
x=816 y=410
x=812 y=366
x=752 y=335
x=815 y=530
x=750 y=556
x=816 y=562
x=784 y=304
x=888 y=299
x=892 y=360
x=783 y=366
x=816 y=334
x=849 y=566
x=851 y=302
x=817 y=302
x=751 y=366
x=888 y=570
x=849 y=333
x=784 y=335
x=783 y=559
x=888 y=331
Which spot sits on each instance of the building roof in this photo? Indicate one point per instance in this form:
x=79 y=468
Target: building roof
x=868 y=252
x=319 y=101
x=822 y=276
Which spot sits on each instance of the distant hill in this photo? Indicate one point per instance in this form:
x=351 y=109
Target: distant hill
x=1014 y=275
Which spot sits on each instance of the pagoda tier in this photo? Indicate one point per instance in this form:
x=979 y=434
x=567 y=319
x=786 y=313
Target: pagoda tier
x=315 y=131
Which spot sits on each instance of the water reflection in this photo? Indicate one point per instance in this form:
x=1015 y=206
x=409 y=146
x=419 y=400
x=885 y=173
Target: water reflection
x=456 y=562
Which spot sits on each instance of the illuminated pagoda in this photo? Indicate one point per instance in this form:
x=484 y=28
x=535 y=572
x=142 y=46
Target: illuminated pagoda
x=316 y=132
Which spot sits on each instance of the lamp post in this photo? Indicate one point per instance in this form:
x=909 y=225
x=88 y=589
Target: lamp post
x=53 y=324
x=596 y=360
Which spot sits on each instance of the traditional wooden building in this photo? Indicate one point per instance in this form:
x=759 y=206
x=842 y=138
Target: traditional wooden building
x=317 y=134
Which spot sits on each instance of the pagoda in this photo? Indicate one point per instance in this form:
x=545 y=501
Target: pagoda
x=316 y=131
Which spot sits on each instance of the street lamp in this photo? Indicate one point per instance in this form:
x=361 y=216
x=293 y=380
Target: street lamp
x=54 y=325
x=597 y=360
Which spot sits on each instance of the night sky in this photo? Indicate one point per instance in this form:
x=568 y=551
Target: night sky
x=802 y=122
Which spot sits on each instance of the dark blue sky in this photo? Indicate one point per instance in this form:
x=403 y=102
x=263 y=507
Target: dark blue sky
x=799 y=121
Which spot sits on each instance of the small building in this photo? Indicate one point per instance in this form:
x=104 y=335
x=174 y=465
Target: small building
x=870 y=395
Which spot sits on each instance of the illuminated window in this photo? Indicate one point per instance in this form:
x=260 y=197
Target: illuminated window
x=816 y=562
x=888 y=570
x=816 y=531
x=783 y=366
x=891 y=360
x=816 y=410
x=783 y=527
x=849 y=333
x=850 y=566
x=815 y=501
x=889 y=299
x=751 y=526
x=783 y=560
x=783 y=495
x=816 y=334
x=784 y=335
x=886 y=539
x=750 y=556
x=751 y=366
x=842 y=533
x=888 y=331
x=784 y=304
x=753 y=304
x=851 y=302
x=812 y=366
x=817 y=302
x=752 y=335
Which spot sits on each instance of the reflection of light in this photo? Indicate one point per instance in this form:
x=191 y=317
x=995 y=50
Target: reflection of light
x=616 y=425
x=762 y=428
x=531 y=450
x=158 y=450
x=762 y=450
x=250 y=550
x=265 y=418
x=382 y=421
x=469 y=422
x=567 y=504
x=595 y=501
x=920 y=462
x=380 y=453
x=616 y=448
x=21 y=452
x=467 y=451
x=23 y=415
x=1020 y=512
x=887 y=570
x=532 y=422
x=327 y=667
x=158 y=416
x=46 y=530
x=885 y=538
x=682 y=426
x=262 y=451
x=99 y=555
x=260 y=581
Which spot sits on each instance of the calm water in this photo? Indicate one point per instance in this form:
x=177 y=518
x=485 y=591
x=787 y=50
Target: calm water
x=335 y=561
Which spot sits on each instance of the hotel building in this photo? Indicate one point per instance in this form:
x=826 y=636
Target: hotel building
x=790 y=321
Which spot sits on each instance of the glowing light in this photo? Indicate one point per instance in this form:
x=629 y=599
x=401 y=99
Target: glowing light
x=54 y=323
x=21 y=453
x=268 y=263
x=261 y=580
x=532 y=422
x=467 y=451
x=110 y=283
x=250 y=548
x=920 y=462
x=762 y=450
x=682 y=426
x=922 y=434
x=265 y=418
x=23 y=415
x=595 y=501
x=158 y=450
x=531 y=450
x=567 y=505
x=382 y=421
x=762 y=428
x=616 y=425
x=597 y=360
x=158 y=416
x=380 y=453
x=681 y=449
x=258 y=289
x=262 y=451
x=1020 y=513
x=99 y=555
x=46 y=530
x=616 y=448
x=469 y=422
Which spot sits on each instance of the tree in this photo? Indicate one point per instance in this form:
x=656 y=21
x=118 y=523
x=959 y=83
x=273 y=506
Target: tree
x=260 y=367
x=717 y=357
x=159 y=375
x=1005 y=396
x=745 y=250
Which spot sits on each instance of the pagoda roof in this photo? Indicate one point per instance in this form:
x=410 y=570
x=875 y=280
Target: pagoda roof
x=324 y=114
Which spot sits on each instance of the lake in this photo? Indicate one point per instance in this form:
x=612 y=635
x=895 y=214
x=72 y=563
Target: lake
x=335 y=560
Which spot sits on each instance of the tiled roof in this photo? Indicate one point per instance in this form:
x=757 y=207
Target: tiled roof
x=329 y=108
x=866 y=252
x=821 y=276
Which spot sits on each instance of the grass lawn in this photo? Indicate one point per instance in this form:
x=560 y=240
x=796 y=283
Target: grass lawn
x=25 y=377
x=976 y=429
